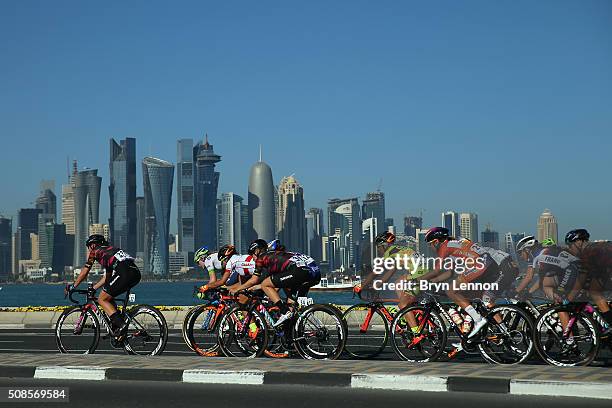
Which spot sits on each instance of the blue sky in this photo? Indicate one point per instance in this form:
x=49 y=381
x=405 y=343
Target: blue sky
x=502 y=108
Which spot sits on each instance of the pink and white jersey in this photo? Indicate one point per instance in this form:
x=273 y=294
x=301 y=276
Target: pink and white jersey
x=243 y=265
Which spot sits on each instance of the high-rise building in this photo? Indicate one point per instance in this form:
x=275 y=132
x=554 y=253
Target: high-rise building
x=344 y=220
x=27 y=223
x=450 y=220
x=157 y=179
x=47 y=201
x=140 y=223
x=291 y=218
x=547 y=226
x=35 y=247
x=206 y=183
x=233 y=222
x=374 y=206
x=510 y=240
x=86 y=190
x=369 y=231
x=52 y=244
x=314 y=233
x=122 y=192
x=411 y=224
x=68 y=208
x=101 y=229
x=423 y=247
x=261 y=201
x=185 y=196
x=469 y=226
x=6 y=232
x=490 y=238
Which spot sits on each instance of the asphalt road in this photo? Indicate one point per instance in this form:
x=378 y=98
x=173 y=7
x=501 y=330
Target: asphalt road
x=43 y=341
x=147 y=394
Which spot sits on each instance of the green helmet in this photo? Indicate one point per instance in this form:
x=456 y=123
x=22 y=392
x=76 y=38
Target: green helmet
x=548 y=242
x=201 y=254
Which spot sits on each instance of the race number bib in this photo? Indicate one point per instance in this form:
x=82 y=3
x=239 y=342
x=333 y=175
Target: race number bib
x=302 y=260
x=121 y=255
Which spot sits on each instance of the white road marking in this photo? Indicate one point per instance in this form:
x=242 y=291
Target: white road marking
x=223 y=377
x=399 y=382
x=71 y=373
x=561 y=388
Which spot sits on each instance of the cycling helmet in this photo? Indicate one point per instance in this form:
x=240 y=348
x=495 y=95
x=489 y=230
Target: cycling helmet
x=201 y=254
x=385 y=237
x=257 y=244
x=439 y=233
x=548 y=242
x=526 y=243
x=225 y=252
x=96 y=239
x=577 y=235
x=274 y=244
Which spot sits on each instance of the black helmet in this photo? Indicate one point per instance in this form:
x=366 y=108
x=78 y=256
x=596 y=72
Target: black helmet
x=385 y=238
x=257 y=244
x=577 y=235
x=439 y=233
x=96 y=239
x=225 y=252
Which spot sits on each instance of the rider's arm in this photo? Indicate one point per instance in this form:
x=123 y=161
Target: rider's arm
x=219 y=282
x=526 y=279
x=251 y=282
x=85 y=269
x=101 y=282
x=440 y=277
x=212 y=276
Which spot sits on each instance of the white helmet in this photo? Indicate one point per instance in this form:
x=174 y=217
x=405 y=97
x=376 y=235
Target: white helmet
x=525 y=243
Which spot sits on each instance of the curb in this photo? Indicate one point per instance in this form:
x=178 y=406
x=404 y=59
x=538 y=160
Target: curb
x=361 y=381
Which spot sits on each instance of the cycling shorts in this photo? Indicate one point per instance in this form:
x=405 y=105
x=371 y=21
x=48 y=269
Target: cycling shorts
x=125 y=276
x=295 y=278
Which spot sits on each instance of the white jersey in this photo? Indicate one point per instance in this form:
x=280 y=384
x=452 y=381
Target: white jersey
x=495 y=254
x=212 y=263
x=243 y=265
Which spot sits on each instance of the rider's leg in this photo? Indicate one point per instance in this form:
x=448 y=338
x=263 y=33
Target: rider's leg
x=405 y=300
x=460 y=300
x=268 y=287
x=107 y=304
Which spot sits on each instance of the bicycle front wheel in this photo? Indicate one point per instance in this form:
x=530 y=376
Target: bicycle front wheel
x=147 y=333
x=425 y=345
x=77 y=331
x=319 y=333
x=557 y=350
x=185 y=327
x=202 y=330
x=368 y=331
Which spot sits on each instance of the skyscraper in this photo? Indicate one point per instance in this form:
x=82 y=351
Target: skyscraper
x=47 y=201
x=374 y=206
x=27 y=223
x=411 y=224
x=185 y=195
x=68 y=208
x=6 y=232
x=52 y=244
x=547 y=226
x=233 y=221
x=122 y=192
x=86 y=208
x=314 y=233
x=205 y=193
x=261 y=201
x=157 y=179
x=291 y=219
x=140 y=223
x=469 y=226
x=450 y=220
x=490 y=238
x=344 y=220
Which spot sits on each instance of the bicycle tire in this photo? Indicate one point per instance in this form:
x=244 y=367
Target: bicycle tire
x=405 y=337
x=209 y=348
x=354 y=331
x=61 y=340
x=139 y=336
x=299 y=332
x=231 y=333
x=185 y=326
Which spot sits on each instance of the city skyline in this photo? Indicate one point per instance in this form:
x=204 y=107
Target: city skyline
x=330 y=99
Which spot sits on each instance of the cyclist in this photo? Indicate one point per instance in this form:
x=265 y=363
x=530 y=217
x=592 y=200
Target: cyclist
x=488 y=265
x=596 y=259
x=222 y=257
x=209 y=262
x=292 y=272
x=121 y=274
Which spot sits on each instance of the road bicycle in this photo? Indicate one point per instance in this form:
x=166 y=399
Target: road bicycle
x=506 y=339
x=314 y=331
x=78 y=328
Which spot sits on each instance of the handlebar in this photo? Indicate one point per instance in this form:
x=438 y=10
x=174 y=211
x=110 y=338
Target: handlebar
x=90 y=291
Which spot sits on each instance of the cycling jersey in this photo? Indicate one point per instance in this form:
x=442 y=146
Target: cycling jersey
x=108 y=257
x=273 y=262
x=554 y=261
x=243 y=265
x=463 y=249
x=212 y=263
x=596 y=259
x=495 y=254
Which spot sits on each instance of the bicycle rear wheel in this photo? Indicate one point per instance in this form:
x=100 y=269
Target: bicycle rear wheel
x=147 y=333
x=242 y=333
x=426 y=345
x=319 y=333
x=368 y=331
x=202 y=330
x=511 y=340
x=77 y=331
x=555 y=350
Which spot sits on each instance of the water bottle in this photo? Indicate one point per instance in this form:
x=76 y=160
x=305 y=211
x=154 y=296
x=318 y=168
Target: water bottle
x=455 y=316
